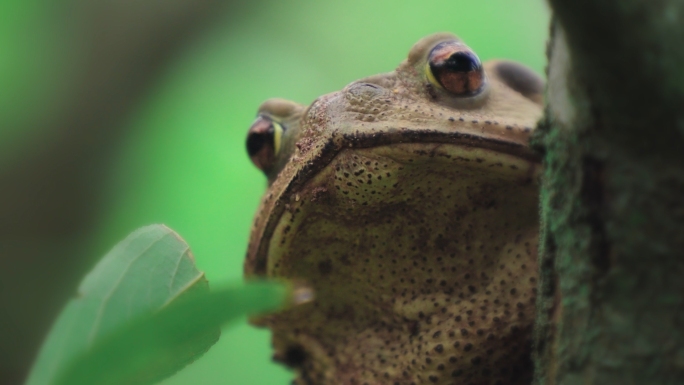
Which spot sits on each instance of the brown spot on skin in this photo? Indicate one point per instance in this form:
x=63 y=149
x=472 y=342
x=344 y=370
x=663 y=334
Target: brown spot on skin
x=293 y=357
x=318 y=193
x=483 y=196
x=413 y=328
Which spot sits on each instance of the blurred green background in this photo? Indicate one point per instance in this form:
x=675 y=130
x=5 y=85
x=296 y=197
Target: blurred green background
x=180 y=159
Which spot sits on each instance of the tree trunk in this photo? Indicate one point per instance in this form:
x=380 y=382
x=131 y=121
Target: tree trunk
x=611 y=303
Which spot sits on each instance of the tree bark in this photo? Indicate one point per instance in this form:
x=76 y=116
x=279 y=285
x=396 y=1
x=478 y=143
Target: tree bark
x=611 y=304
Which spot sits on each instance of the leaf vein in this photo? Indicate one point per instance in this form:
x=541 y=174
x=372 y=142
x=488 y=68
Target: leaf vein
x=175 y=270
x=98 y=318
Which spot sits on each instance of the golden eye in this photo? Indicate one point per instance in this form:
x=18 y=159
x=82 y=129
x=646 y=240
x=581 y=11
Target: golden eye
x=263 y=142
x=455 y=68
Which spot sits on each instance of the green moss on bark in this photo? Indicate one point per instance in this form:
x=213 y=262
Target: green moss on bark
x=611 y=308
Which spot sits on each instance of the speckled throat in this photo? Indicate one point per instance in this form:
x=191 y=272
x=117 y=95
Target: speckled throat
x=423 y=259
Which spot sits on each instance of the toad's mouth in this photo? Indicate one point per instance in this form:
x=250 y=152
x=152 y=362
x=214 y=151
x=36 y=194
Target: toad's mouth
x=423 y=259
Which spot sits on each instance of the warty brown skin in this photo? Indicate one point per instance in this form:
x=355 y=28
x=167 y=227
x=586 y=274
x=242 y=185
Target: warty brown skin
x=413 y=215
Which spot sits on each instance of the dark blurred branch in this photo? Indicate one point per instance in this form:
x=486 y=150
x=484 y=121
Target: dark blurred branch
x=611 y=308
x=51 y=191
x=629 y=55
x=123 y=46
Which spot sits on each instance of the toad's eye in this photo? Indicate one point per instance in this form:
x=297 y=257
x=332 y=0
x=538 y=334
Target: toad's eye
x=263 y=142
x=453 y=67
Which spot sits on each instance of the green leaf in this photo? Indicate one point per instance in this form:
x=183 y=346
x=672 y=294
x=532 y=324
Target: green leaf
x=141 y=274
x=141 y=314
x=155 y=347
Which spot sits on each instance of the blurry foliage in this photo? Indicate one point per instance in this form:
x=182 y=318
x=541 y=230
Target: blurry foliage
x=182 y=161
x=30 y=68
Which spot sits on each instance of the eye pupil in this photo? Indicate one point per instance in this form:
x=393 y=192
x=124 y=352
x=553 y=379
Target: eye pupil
x=257 y=140
x=261 y=143
x=456 y=68
x=462 y=62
